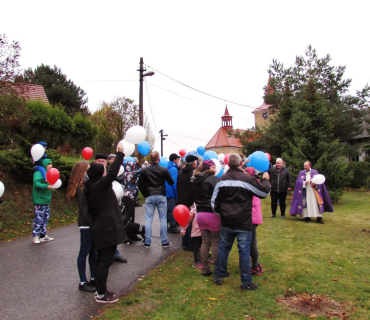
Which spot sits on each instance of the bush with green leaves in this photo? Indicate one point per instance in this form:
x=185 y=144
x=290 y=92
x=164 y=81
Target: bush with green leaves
x=361 y=173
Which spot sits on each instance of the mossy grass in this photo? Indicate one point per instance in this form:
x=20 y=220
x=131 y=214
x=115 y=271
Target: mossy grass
x=298 y=257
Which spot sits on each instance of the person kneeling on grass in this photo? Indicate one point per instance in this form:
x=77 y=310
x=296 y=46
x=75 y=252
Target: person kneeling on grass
x=107 y=224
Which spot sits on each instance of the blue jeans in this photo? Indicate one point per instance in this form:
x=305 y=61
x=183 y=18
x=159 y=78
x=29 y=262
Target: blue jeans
x=87 y=247
x=171 y=204
x=227 y=237
x=150 y=203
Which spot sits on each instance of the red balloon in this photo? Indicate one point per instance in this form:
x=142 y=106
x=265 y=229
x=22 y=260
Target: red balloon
x=226 y=160
x=87 y=153
x=268 y=156
x=52 y=175
x=182 y=152
x=181 y=214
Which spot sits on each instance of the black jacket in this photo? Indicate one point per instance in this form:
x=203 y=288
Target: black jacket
x=185 y=188
x=84 y=216
x=204 y=185
x=152 y=180
x=281 y=179
x=107 y=224
x=233 y=198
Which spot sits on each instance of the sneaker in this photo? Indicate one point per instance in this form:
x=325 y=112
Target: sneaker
x=218 y=281
x=87 y=287
x=146 y=245
x=167 y=244
x=36 y=240
x=249 y=286
x=207 y=274
x=282 y=217
x=197 y=265
x=272 y=216
x=46 y=239
x=106 y=298
x=260 y=268
x=255 y=272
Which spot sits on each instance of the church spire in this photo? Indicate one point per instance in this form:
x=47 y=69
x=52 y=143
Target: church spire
x=227 y=121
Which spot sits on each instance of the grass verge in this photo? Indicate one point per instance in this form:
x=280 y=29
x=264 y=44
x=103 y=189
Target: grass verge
x=300 y=259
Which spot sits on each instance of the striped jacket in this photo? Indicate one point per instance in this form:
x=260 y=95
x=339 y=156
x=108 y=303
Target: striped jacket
x=233 y=195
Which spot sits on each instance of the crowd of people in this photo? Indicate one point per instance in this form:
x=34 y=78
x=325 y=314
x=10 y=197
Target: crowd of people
x=221 y=210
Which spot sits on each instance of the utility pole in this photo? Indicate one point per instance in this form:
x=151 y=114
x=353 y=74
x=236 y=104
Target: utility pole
x=141 y=112
x=162 y=138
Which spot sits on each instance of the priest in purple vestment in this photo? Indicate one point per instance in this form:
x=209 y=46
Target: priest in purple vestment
x=310 y=200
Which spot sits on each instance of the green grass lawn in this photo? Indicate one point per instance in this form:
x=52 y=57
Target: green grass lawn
x=298 y=258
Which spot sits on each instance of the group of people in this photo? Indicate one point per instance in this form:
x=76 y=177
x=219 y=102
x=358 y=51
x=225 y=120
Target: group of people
x=221 y=209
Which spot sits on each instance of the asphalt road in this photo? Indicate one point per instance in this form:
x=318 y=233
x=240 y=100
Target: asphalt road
x=41 y=281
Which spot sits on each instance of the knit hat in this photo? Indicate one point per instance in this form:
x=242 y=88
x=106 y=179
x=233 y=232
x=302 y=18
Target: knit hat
x=44 y=144
x=250 y=170
x=206 y=164
x=96 y=170
x=111 y=156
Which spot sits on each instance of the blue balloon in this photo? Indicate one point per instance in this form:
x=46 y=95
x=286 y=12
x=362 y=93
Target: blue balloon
x=163 y=162
x=221 y=172
x=143 y=147
x=210 y=155
x=128 y=159
x=260 y=161
x=201 y=150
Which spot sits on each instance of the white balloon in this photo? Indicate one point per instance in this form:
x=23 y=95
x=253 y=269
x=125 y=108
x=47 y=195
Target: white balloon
x=121 y=171
x=2 y=189
x=123 y=143
x=128 y=148
x=37 y=151
x=218 y=166
x=221 y=157
x=226 y=168
x=135 y=134
x=318 y=179
x=118 y=189
x=57 y=184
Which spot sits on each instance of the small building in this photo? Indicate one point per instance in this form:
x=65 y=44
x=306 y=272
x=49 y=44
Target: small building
x=25 y=90
x=362 y=142
x=222 y=142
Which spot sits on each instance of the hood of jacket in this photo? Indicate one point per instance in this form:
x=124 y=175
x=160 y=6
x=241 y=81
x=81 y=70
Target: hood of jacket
x=45 y=162
x=199 y=178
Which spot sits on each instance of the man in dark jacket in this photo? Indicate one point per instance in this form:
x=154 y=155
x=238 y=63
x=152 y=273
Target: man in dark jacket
x=153 y=188
x=107 y=224
x=186 y=195
x=232 y=199
x=281 y=183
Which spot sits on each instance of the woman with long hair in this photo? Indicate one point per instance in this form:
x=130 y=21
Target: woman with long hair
x=87 y=247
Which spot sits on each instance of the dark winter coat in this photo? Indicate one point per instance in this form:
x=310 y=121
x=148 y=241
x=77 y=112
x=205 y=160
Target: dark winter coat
x=152 y=180
x=281 y=179
x=233 y=198
x=107 y=224
x=204 y=185
x=84 y=216
x=185 y=188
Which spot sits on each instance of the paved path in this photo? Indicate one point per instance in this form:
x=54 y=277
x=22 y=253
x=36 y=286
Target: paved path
x=41 y=281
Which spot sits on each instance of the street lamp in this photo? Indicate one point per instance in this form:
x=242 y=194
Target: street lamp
x=142 y=75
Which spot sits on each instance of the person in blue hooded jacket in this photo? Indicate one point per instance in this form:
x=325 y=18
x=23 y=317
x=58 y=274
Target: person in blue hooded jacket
x=171 y=192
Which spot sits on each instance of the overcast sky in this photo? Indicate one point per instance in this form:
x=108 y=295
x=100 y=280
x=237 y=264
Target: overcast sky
x=223 y=48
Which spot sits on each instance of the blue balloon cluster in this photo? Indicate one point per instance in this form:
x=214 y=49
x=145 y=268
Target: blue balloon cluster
x=221 y=172
x=143 y=147
x=259 y=161
x=128 y=159
x=163 y=162
x=201 y=150
x=210 y=155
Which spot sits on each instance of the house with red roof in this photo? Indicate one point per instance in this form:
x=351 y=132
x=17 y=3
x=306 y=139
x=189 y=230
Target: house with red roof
x=28 y=91
x=222 y=141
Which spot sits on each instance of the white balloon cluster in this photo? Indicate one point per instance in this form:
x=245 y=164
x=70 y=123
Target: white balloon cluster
x=118 y=189
x=2 y=189
x=134 y=135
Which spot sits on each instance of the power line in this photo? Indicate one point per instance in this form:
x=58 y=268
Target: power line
x=193 y=100
x=106 y=80
x=150 y=105
x=175 y=143
x=243 y=105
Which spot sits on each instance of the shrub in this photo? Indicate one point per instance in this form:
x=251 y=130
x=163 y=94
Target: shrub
x=361 y=172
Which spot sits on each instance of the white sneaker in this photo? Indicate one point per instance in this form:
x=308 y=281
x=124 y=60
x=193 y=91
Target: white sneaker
x=46 y=239
x=36 y=240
